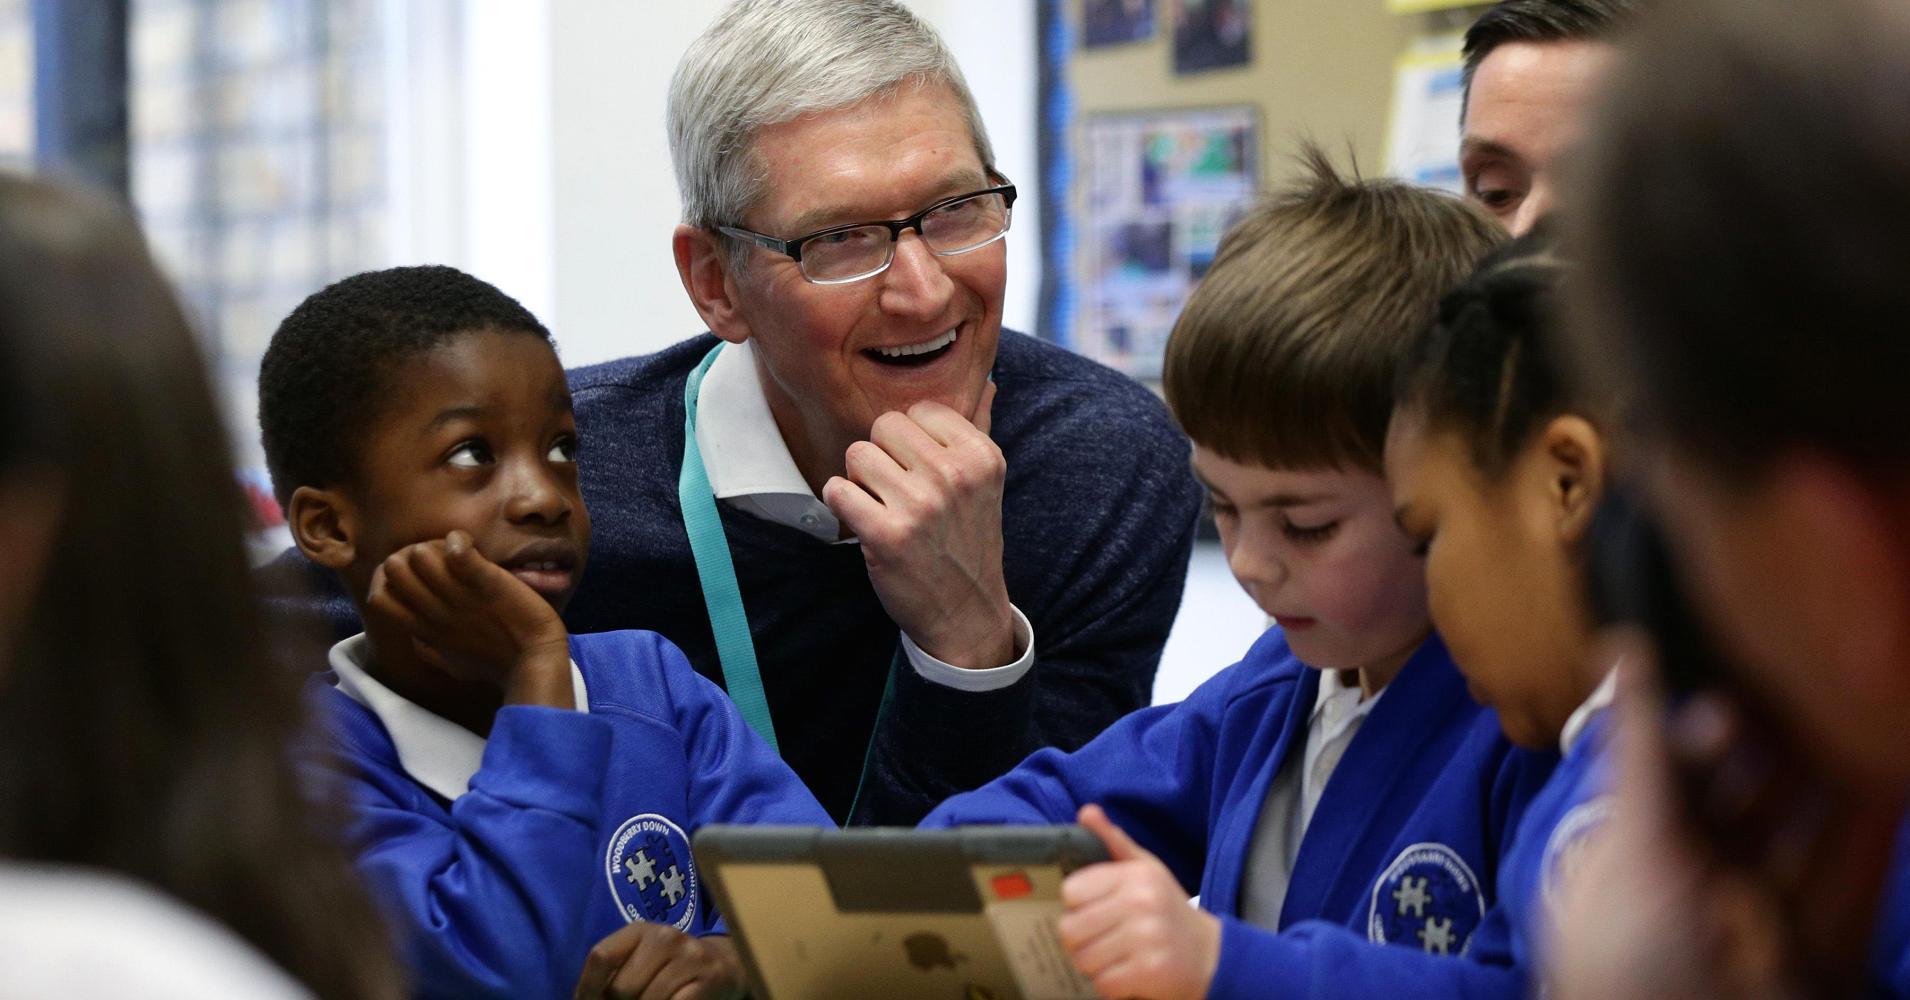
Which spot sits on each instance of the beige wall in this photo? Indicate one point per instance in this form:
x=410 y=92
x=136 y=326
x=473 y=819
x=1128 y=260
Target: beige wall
x=1320 y=68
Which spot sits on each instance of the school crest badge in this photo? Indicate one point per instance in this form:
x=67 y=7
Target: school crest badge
x=1428 y=898
x=652 y=874
x=1565 y=848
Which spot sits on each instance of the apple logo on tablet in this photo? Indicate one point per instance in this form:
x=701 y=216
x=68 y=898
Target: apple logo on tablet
x=928 y=951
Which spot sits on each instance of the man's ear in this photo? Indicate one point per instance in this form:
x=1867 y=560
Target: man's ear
x=324 y=526
x=1572 y=453
x=702 y=261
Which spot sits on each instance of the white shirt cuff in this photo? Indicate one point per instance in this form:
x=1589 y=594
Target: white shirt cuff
x=990 y=679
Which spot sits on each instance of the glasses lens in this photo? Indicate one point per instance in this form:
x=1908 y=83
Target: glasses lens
x=846 y=253
x=966 y=224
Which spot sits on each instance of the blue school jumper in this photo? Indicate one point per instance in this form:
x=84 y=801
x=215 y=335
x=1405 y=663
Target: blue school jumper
x=1558 y=825
x=1403 y=848
x=574 y=825
x=1562 y=820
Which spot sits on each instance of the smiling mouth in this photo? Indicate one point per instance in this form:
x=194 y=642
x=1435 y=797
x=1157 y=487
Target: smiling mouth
x=914 y=355
x=550 y=573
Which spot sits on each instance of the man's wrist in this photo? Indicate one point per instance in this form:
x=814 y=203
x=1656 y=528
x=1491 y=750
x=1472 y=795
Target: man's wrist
x=981 y=650
x=987 y=677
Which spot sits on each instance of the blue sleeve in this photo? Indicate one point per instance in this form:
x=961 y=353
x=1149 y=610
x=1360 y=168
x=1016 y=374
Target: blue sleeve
x=1325 y=961
x=480 y=900
x=1153 y=772
x=734 y=775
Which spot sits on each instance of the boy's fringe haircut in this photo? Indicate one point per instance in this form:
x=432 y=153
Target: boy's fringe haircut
x=1285 y=355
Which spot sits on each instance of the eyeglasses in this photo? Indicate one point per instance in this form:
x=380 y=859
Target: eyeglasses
x=841 y=254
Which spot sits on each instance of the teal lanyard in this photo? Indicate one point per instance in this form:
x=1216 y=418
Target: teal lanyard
x=723 y=596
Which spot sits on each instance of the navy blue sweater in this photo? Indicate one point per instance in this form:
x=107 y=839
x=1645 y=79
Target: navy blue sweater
x=1097 y=523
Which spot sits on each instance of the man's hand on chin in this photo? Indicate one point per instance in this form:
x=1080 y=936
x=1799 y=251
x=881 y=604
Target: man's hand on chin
x=924 y=496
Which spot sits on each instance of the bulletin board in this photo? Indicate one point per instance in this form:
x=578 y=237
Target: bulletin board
x=1422 y=142
x=1364 y=79
x=1162 y=186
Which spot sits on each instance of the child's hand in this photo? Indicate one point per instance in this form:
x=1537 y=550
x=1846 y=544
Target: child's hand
x=472 y=619
x=659 y=962
x=1129 y=926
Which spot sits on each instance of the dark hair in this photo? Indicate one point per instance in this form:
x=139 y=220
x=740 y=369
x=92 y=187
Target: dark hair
x=1746 y=232
x=1284 y=355
x=143 y=728
x=322 y=380
x=1539 y=21
x=1489 y=367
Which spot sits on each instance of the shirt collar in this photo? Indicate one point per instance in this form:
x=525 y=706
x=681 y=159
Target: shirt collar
x=440 y=754
x=743 y=451
x=1332 y=689
x=1581 y=717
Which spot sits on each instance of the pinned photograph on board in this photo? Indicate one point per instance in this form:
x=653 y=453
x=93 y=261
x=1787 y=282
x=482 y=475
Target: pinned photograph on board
x=1211 y=34
x=1116 y=22
x=1162 y=186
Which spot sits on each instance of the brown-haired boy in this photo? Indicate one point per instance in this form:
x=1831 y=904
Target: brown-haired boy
x=1281 y=370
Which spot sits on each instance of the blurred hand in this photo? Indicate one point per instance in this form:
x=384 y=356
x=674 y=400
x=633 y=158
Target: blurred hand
x=472 y=619
x=1129 y=926
x=645 y=961
x=923 y=495
x=1728 y=869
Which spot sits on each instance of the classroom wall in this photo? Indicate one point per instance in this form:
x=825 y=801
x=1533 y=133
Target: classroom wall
x=569 y=199
x=1320 y=68
x=613 y=197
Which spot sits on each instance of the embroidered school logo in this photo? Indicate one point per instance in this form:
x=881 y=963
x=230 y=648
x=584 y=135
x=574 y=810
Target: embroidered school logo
x=1565 y=848
x=1428 y=898
x=652 y=876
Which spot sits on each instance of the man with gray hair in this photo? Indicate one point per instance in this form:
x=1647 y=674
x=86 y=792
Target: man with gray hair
x=912 y=546
x=1531 y=66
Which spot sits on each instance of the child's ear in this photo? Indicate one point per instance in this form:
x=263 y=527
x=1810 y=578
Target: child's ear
x=324 y=526
x=1574 y=454
x=704 y=265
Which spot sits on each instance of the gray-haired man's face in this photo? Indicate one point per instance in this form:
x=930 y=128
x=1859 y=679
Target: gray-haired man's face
x=835 y=357
x=1525 y=109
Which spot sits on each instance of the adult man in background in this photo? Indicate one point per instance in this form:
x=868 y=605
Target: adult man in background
x=1531 y=66
x=912 y=546
x=947 y=545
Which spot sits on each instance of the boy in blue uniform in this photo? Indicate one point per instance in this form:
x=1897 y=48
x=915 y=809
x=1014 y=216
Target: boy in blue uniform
x=1336 y=790
x=522 y=799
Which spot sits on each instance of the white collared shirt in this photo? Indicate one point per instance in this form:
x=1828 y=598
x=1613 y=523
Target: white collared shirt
x=1338 y=711
x=750 y=468
x=1581 y=716
x=439 y=753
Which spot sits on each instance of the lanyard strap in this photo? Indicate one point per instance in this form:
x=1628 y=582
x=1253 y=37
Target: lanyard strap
x=722 y=596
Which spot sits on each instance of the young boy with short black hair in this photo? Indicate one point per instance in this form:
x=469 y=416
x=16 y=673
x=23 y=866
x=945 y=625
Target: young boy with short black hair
x=521 y=799
x=1337 y=789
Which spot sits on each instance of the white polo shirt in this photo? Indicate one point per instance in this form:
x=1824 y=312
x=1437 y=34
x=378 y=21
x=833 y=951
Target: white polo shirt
x=1338 y=711
x=439 y=753
x=1581 y=716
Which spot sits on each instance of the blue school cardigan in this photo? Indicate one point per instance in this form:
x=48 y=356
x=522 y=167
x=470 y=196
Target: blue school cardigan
x=1404 y=847
x=574 y=825
x=1574 y=805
